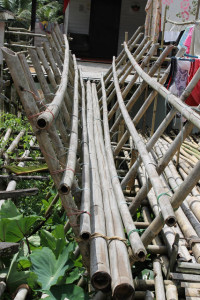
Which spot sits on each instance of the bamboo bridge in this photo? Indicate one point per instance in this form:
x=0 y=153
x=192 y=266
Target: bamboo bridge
x=106 y=168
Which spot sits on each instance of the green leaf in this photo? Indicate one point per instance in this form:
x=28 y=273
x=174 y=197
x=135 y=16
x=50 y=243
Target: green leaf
x=26 y=170
x=47 y=267
x=66 y=292
x=73 y=276
x=59 y=232
x=15 y=278
x=8 y=210
x=23 y=263
x=48 y=240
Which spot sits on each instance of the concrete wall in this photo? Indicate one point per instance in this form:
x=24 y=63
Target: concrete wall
x=79 y=17
x=130 y=20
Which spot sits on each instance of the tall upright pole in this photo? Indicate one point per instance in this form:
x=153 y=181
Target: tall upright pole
x=197 y=11
x=33 y=15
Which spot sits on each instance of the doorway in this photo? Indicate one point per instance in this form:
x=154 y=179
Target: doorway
x=104 y=28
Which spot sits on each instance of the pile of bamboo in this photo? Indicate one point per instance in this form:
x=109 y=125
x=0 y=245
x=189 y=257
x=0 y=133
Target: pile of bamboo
x=85 y=133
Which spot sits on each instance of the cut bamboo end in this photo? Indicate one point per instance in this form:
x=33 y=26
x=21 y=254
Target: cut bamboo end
x=85 y=235
x=101 y=280
x=141 y=255
x=170 y=221
x=64 y=189
x=42 y=123
x=123 y=291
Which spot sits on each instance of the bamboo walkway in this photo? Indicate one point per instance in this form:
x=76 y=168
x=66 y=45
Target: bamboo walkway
x=84 y=127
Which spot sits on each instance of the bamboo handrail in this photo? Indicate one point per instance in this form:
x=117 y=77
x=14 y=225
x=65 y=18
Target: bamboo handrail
x=138 y=250
x=165 y=206
x=50 y=114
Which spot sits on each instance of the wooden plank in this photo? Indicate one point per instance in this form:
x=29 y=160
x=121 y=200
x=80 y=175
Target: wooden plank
x=18 y=193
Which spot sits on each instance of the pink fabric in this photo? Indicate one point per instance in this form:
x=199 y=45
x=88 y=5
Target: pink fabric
x=189 y=40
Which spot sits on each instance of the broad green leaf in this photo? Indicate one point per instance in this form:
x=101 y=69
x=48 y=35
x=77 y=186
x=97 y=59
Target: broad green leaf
x=66 y=292
x=73 y=276
x=15 y=278
x=8 y=210
x=47 y=267
x=14 y=229
x=59 y=232
x=48 y=240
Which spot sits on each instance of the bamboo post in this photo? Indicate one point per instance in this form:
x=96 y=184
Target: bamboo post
x=68 y=176
x=99 y=261
x=122 y=284
x=159 y=284
x=171 y=292
x=85 y=230
x=165 y=206
x=138 y=250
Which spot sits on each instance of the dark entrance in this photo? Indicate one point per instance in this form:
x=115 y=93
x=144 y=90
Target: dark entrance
x=104 y=28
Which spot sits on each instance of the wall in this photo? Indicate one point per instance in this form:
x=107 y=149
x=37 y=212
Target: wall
x=79 y=16
x=130 y=20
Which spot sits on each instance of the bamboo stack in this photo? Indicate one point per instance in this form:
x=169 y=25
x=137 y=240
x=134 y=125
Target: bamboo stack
x=162 y=172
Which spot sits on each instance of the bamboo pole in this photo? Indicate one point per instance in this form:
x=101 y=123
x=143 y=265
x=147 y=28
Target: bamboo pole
x=2 y=287
x=28 y=102
x=171 y=292
x=22 y=293
x=68 y=176
x=176 y=201
x=144 y=107
x=52 y=62
x=85 y=229
x=160 y=129
x=143 y=85
x=135 y=77
x=99 y=261
x=186 y=111
x=167 y=212
x=5 y=140
x=13 y=145
x=126 y=69
x=122 y=284
x=162 y=164
x=50 y=114
x=137 y=247
x=159 y=284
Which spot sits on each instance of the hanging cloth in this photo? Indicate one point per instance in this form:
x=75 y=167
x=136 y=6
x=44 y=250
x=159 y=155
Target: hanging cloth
x=183 y=38
x=181 y=77
x=188 y=40
x=172 y=73
x=194 y=98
